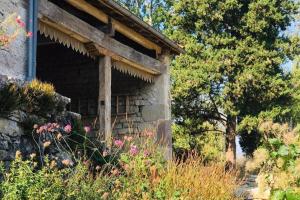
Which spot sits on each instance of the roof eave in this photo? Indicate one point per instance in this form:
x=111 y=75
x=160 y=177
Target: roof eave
x=172 y=45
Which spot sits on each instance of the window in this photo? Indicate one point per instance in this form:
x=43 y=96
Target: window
x=120 y=105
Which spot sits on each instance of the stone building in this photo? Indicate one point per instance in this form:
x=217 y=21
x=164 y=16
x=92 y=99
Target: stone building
x=113 y=66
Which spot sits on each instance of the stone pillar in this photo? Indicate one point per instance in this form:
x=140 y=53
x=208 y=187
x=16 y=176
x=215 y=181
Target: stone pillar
x=104 y=103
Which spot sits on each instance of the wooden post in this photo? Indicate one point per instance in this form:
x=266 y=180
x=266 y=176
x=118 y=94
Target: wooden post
x=104 y=104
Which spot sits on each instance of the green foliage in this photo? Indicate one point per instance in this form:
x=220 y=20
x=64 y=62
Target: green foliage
x=23 y=181
x=10 y=98
x=278 y=161
x=151 y=11
x=232 y=66
x=249 y=141
x=295 y=105
x=209 y=146
x=141 y=172
x=35 y=97
x=40 y=98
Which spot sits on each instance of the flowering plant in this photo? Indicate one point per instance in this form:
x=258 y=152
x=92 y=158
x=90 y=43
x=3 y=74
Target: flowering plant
x=278 y=161
x=10 y=28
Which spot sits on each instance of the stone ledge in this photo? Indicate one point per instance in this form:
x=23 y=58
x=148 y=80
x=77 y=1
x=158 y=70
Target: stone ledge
x=10 y=127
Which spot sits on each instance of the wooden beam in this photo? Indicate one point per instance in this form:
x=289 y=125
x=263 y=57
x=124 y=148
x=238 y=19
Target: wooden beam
x=128 y=32
x=104 y=99
x=78 y=28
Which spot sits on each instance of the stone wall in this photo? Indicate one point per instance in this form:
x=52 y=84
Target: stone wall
x=15 y=131
x=140 y=96
x=13 y=58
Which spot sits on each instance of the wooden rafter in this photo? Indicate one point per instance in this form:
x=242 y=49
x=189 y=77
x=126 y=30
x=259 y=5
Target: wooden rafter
x=128 y=32
x=62 y=20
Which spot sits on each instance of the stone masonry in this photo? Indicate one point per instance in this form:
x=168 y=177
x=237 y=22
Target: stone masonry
x=13 y=59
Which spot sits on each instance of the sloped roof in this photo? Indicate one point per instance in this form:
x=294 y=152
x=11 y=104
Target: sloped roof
x=123 y=15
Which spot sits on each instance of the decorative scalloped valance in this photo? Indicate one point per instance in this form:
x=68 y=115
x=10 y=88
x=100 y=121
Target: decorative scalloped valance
x=62 y=38
x=127 y=69
x=83 y=46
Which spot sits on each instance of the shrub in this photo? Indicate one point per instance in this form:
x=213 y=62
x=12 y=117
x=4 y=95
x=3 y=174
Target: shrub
x=23 y=181
x=278 y=161
x=39 y=97
x=10 y=98
x=140 y=172
x=194 y=180
x=209 y=145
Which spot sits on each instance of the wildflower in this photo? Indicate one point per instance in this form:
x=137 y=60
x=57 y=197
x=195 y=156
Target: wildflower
x=29 y=34
x=20 y=22
x=87 y=129
x=53 y=164
x=105 y=153
x=105 y=196
x=126 y=167
x=66 y=162
x=118 y=183
x=146 y=153
x=115 y=172
x=147 y=162
x=128 y=138
x=149 y=134
x=33 y=155
x=59 y=136
x=4 y=40
x=35 y=126
x=133 y=150
x=98 y=167
x=18 y=154
x=119 y=143
x=46 y=144
x=68 y=128
x=41 y=129
x=153 y=171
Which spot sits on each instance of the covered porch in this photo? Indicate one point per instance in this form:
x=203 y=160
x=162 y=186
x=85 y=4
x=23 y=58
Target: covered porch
x=116 y=85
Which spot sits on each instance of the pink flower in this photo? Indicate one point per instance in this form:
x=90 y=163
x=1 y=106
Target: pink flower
x=146 y=153
x=20 y=22
x=149 y=134
x=119 y=143
x=105 y=153
x=133 y=150
x=128 y=138
x=87 y=129
x=68 y=128
x=29 y=34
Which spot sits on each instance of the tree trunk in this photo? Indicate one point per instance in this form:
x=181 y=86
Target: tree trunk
x=230 y=143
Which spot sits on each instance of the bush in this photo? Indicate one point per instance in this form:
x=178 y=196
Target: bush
x=140 y=172
x=194 y=180
x=209 y=145
x=39 y=97
x=278 y=161
x=23 y=181
x=10 y=98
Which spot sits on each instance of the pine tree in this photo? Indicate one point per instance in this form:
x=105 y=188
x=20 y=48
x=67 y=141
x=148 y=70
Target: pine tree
x=231 y=73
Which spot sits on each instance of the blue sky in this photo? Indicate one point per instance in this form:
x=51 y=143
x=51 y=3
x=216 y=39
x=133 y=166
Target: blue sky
x=294 y=28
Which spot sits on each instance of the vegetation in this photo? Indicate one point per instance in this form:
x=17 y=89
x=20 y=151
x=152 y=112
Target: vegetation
x=10 y=29
x=34 y=97
x=278 y=161
x=151 y=11
x=231 y=72
x=39 y=97
x=139 y=173
x=229 y=82
x=10 y=98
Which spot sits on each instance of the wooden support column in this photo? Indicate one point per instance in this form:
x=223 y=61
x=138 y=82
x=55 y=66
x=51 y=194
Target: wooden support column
x=104 y=104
